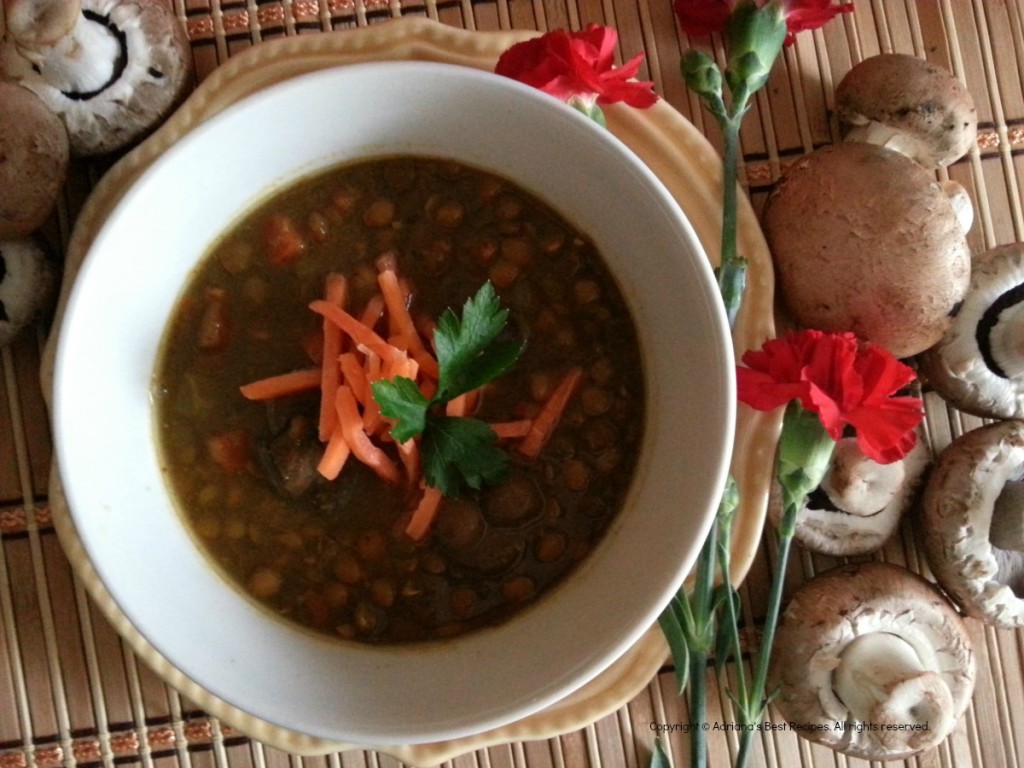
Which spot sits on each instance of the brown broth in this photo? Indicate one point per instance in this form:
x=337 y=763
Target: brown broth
x=332 y=556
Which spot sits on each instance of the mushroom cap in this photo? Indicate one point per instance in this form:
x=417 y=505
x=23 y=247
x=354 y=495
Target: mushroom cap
x=974 y=366
x=930 y=114
x=865 y=240
x=28 y=282
x=826 y=614
x=957 y=509
x=33 y=161
x=859 y=504
x=150 y=78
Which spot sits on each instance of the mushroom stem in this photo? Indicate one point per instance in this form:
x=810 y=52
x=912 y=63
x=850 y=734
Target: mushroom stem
x=961 y=202
x=1006 y=530
x=856 y=484
x=87 y=58
x=881 y=680
x=898 y=140
x=36 y=24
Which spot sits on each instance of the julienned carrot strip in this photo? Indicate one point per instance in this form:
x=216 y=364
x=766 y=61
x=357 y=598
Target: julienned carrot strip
x=395 y=299
x=409 y=453
x=358 y=332
x=354 y=376
x=462 y=405
x=373 y=367
x=373 y=311
x=335 y=454
x=424 y=513
x=282 y=384
x=511 y=429
x=362 y=447
x=335 y=292
x=547 y=418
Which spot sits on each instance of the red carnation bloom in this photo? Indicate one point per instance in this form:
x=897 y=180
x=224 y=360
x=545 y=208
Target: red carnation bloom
x=577 y=65
x=703 y=17
x=699 y=18
x=841 y=380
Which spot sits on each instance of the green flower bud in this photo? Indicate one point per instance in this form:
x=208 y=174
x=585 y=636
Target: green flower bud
x=805 y=448
x=754 y=40
x=702 y=76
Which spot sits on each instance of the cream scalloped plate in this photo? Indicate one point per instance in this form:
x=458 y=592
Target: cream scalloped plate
x=689 y=170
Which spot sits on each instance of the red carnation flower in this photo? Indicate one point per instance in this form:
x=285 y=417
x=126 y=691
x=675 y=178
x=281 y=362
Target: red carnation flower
x=841 y=380
x=704 y=17
x=577 y=65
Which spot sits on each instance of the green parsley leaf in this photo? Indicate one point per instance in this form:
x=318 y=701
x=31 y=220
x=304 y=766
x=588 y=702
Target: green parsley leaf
x=401 y=399
x=470 y=352
x=459 y=451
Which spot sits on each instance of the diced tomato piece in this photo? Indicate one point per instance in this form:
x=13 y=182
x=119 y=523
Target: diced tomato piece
x=214 y=325
x=282 y=240
x=229 y=450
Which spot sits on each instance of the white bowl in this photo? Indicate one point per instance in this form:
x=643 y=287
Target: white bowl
x=103 y=424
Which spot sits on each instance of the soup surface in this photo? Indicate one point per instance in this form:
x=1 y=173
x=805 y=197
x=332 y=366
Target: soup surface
x=338 y=555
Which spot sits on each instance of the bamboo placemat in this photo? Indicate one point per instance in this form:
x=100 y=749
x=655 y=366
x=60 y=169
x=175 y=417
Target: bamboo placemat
x=71 y=692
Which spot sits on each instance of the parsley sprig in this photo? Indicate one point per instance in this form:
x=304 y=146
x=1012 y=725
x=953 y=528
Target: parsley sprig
x=471 y=351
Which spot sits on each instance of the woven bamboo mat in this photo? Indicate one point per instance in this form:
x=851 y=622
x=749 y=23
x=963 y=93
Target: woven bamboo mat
x=72 y=692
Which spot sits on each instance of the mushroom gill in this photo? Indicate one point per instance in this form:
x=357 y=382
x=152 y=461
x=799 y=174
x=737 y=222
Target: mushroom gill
x=972 y=517
x=978 y=364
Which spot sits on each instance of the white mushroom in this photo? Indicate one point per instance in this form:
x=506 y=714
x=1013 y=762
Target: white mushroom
x=973 y=522
x=872 y=660
x=866 y=240
x=909 y=105
x=28 y=280
x=112 y=70
x=859 y=504
x=33 y=161
x=978 y=365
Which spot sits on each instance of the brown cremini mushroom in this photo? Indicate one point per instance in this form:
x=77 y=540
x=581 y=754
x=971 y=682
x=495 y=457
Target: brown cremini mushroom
x=978 y=365
x=973 y=522
x=112 y=71
x=859 y=504
x=910 y=105
x=28 y=281
x=866 y=240
x=33 y=161
x=871 y=660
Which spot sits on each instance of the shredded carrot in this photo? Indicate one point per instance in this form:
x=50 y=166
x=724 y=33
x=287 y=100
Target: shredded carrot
x=355 y=377
x=335 y=292
x=282 y=384
x=335 y=454
x=424 y=514
x=464 y=404
x=372 y=420
x=358 y=332
x=373 y=311
x=396 y=300
x=362 y=447
x=547 y=418
x=409 y=453
x=511 y=429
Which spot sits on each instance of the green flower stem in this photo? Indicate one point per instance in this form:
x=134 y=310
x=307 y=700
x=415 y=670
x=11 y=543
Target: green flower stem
x=804 y=452
x=752 y=707
x=732 y=270
x=701 y=645
x=731 y=645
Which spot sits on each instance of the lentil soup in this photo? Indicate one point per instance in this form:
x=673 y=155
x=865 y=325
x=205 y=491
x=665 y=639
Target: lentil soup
x=335 y=555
